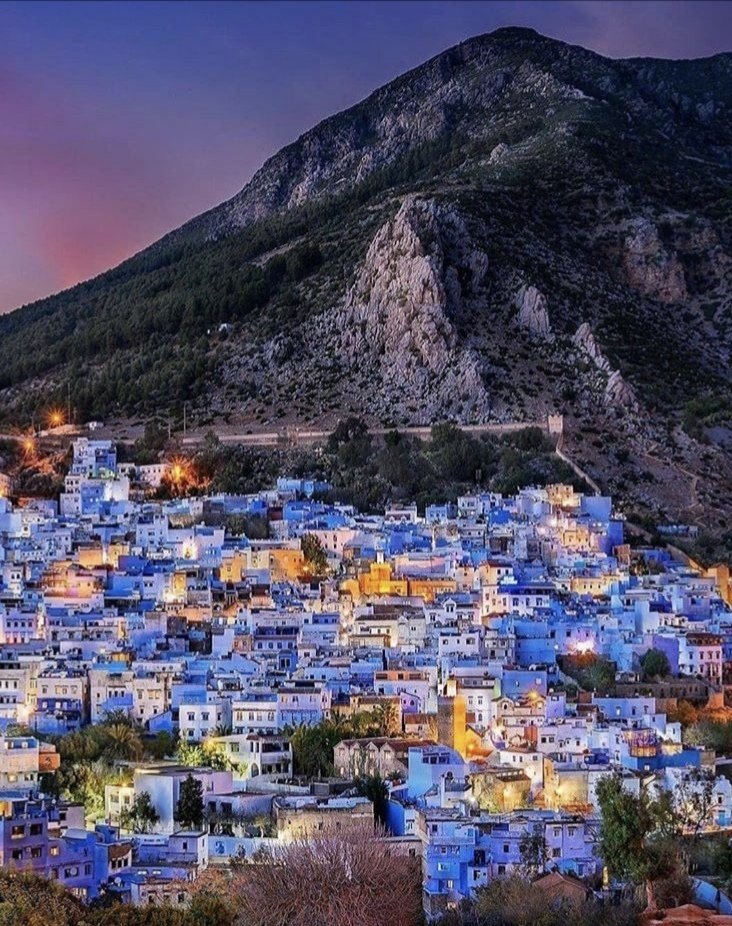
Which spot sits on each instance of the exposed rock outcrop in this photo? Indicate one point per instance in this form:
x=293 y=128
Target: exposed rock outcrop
x=650 y=268
x=533 y=315
x=420 y=269
x=499 y=153
x=618 y=392
x=585 y=340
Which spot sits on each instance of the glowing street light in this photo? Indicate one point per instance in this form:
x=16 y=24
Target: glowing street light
x=56 y=418
x=180 y=470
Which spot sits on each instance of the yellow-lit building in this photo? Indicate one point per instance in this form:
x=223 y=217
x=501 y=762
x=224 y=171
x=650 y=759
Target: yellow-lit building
x=563 y=496
x=94 y=555
x=500 y=790
x=285 y=564
x=596 y=586
x=576 y=536
x=70 y=580
x=428 y=587
x=721 y=576
x=233 y=565
x=380 y=581
x=570 y=784
x=452 y=721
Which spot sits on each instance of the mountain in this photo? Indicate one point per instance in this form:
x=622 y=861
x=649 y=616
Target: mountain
x=515 y=228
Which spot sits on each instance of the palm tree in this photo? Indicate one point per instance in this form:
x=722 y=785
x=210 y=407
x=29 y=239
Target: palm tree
x=221 y=730
x=388 y=718
x=121 y=741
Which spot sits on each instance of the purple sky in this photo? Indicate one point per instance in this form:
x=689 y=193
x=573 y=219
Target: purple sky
x=119 y=121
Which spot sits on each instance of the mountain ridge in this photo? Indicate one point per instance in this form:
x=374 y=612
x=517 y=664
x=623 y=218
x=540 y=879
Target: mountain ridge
x=517 y=227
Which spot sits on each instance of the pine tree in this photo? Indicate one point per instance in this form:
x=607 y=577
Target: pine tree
x=189 y=810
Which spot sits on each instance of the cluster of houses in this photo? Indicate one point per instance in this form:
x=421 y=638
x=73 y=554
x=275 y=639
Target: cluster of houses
x=455 y=626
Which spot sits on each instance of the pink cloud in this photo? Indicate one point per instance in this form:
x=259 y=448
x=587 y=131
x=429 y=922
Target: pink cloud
x=78 y=197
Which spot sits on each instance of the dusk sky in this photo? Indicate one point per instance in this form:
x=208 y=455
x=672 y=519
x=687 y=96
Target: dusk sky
x=119 y=121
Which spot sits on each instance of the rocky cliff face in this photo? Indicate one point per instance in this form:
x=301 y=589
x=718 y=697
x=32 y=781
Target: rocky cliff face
x=652 y=269
x=585 y=340
x=533 y=315
x=618 y=393
x=419 y=274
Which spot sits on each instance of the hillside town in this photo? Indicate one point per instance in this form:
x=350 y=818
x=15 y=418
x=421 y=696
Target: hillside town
x=188 y=682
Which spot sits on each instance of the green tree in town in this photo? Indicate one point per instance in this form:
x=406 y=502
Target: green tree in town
x=590 y=671
x=203 y=755
x=375 y=788
x=253 y=526
x=312 y=748
x=316 y=559
x=655 y=664
x=313 y=744
x=638 y=836
x=160 y=746
x=83 y=782
x=693 y=798
x=386 y=715
x=121 y=741
x=711 y=734
x=189 y=811
x=141 y=816
x=534 y=851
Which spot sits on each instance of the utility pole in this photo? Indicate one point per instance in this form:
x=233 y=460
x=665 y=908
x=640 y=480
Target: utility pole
x=68 y=402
